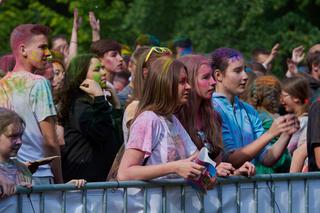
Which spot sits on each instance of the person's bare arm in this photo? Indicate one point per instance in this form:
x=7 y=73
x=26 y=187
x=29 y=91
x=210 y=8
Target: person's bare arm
x=238 y=157
x=73 y=47
x=51 y=146
x=131 y=168
x=95 y=26
x=275 y=152
x=317 y=155
x=298 y=157
x=247 y=153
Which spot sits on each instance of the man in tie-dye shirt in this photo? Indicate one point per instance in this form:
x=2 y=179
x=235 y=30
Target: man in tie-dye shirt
x=30 y=96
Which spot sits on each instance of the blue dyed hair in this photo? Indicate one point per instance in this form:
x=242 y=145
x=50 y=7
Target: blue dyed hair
x=220 y=57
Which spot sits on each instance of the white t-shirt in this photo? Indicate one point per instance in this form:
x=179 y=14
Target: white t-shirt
x=30 y=97
x=162 y=140
x=128 y=115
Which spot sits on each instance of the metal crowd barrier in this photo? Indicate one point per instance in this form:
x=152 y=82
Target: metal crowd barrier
x=262 y=193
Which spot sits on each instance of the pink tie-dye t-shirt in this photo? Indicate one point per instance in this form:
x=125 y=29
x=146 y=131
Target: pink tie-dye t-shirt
x=30 y=97
x=161 y=139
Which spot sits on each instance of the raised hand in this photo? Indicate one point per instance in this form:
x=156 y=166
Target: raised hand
x=76 y=19
x=273 y=54
x=94 y=23
x=91 y=87
x=297 y=54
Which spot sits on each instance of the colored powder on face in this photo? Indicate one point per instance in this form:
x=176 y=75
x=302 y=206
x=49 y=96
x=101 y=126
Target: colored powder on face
x=35 y=57
x=96 y=76
x=235 y=58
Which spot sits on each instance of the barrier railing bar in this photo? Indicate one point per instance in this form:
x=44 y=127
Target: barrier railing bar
x=201 y=202
x=125 y=200
x=182 y=197
x=238 y=197
x=42 y=202
x=306 y=197
x=272 y=196
x=219 y=190
x=64 y=202
x=255 y=196
x=19 y=203
x=164 y=200
x=168 y=183
x=145 y=203
x=290 y=196
x=104 y=201
x=84 y=201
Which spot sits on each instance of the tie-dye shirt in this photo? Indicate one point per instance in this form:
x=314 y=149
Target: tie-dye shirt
x=241 y=124
x=30 y=97
x=162 y=140
x=15 y=171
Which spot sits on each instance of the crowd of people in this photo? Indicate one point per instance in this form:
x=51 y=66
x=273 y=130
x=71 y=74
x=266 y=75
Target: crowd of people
x=116 y=114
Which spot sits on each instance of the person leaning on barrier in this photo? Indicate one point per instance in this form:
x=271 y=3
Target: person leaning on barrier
x=244 y=138
x=158 y=145
x=201 y=121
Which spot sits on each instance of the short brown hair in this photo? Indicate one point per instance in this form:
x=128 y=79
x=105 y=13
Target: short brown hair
x=313 y=59
x=102 y=46
x=24 y=33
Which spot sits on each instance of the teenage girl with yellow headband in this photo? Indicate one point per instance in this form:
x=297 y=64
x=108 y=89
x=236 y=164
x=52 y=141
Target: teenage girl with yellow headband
x=142 y=59
x=158 y=145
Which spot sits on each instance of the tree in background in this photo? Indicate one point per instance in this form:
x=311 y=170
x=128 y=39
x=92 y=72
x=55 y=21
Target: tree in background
x=244 y=25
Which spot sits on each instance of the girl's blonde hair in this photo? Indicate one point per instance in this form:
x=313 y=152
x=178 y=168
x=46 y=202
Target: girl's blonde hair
x=140 y=56
x=160 y=93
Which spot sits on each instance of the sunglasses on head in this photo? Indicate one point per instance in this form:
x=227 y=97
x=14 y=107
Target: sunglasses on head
x=158 y=50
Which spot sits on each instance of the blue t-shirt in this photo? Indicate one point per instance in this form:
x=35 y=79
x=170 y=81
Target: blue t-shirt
x=241 y=124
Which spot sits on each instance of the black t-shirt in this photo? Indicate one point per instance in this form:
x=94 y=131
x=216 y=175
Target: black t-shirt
x=313 y=134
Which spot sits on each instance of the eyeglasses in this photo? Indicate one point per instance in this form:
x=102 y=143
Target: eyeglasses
x=283 y=96
x=158 y=50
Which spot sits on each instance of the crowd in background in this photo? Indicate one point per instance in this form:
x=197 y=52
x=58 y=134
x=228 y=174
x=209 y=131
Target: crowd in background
x=144 y=112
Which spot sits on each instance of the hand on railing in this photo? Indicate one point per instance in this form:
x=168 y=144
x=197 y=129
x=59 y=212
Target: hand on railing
x=224 y=169
x=7 y=187
x=78 y=182
x=247 y=169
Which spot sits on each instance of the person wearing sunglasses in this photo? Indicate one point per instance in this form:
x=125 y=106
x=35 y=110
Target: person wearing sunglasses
x=144 y=57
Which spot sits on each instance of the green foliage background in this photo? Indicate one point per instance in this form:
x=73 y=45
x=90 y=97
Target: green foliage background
x=240 y=24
